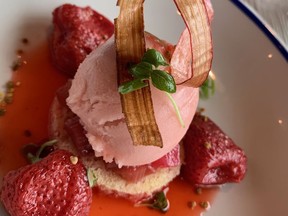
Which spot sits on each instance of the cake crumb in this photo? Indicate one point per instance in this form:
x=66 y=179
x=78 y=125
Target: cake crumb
x=74 y=160
x=192 y=204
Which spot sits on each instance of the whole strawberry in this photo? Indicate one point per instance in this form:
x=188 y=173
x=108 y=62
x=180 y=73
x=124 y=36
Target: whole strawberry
x=77 y=31
x=211 y=157
x=54 y=186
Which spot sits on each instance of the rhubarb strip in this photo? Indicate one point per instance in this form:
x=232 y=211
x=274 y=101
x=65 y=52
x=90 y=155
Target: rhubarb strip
x=130 y=46
x=192 y=58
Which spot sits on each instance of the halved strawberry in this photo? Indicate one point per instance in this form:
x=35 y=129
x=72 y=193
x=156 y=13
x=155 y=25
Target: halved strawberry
x=211 y=157
x=54 y=186
x=77 y=31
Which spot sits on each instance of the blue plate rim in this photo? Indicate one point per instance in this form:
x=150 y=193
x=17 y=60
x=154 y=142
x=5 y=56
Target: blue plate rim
x=256 y=19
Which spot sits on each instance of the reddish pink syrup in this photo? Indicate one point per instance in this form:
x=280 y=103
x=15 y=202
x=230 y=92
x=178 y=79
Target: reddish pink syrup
x=30 y=112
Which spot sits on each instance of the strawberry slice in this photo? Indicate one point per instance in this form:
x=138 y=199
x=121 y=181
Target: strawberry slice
x=53 y=186
x=136 y=173
x=211 y=157
x=77 y=31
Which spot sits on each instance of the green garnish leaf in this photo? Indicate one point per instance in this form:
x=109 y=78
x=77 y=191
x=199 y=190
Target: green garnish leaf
x=133 y=85
x=32 y=158
x=92 y=178
x=141 y=70
x=158 y=202
x=37 y=157
x=161 y=202
x=154 y=57
x=146 y=70
x=207 y=89
x=163 y=81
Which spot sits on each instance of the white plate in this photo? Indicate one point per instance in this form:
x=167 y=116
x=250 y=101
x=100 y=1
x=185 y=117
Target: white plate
x=250 y=103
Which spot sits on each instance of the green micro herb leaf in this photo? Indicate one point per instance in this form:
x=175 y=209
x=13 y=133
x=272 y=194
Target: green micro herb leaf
x=154 y=57
x=142 y=70
x=163 y=81
x=158 y=202
x=92 y=178
x=131 y=86
x=146 y=70
x=35 y=158
x=207 y=89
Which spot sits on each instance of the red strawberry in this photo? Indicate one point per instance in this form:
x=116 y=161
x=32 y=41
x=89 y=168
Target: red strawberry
x=54 y=186
x=211 y=157
x=77 y=31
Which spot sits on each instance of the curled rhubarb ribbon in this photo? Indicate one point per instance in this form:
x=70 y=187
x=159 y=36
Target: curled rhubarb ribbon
x=192 y=58
x=190 y=62
x=130 y=46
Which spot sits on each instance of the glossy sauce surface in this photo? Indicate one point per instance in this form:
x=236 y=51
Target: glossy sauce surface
x=27 y=120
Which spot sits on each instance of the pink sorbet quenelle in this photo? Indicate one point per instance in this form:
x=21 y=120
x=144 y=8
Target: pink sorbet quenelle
x=94 y=97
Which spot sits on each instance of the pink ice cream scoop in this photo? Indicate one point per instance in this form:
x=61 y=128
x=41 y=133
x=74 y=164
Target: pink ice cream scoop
x=95 y=99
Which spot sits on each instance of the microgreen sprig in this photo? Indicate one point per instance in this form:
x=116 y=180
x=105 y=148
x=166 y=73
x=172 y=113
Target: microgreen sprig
x=37 y=157
x=158 y=202
x=207 y=89
x=92 y=178
x=148 y=70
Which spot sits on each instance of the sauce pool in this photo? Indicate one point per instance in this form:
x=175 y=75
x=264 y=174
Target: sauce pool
x=27 y=119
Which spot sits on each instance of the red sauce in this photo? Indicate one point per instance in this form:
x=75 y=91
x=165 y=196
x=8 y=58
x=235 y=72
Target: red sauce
x=26 y=121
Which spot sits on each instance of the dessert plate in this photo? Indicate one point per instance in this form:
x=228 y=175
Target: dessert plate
x=250 y=103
